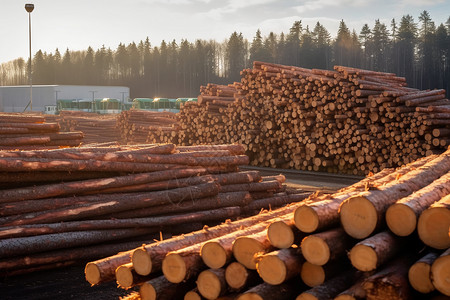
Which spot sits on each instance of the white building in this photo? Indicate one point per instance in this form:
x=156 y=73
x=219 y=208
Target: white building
x=17 y=98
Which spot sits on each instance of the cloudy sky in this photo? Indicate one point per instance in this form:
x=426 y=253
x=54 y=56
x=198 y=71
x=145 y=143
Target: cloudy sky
x=78 y=24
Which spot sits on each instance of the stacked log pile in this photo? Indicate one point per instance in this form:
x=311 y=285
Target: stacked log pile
x=96 y=128
x=346 y=120
x=26 y=131
x=141 y=126
x=59 y=207
x=205 y=121
x=299 y=251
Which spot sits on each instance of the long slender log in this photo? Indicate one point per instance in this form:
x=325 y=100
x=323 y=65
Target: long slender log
x=402 y=216
x=155 y=222
x=361 y=215
x=440 y=273
x=434 y=222
x=113 y=204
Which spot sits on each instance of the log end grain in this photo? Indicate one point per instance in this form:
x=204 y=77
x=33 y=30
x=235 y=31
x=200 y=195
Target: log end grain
x=312 y=275
x=124 y=276
x=147 y=291
x=271 y=269
x=209 y=285
x=306 y=219
x=174 y=268
x=358 y=217
x=315 y=250
x=363 y=258
x=92 y=273
x=280 y=235
x=419 y=277
x=433 y=227
x=250 y=296
x=213 y=255
x=440 y=273
x=401 y=219
x=236 y=275
x=192 y=295
x=244 y=250
x=142 y=262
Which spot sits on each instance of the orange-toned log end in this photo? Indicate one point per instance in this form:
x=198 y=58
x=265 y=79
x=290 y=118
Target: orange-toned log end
x=440 y=273
x=147 y=291
x=213 y=255
x=419 y=277
x=315 y=250
x=363 y=258
x=358 y=217
x=236 y=275
x=306 y=219
x=312 y=275
x=434 y=223
x=271 y=269
x=124 y=276
x=174 y=268
x=92 y=273
x=306 y=296
x=401 y=219
x=142 y=262
x=192 y=295
x=244 y=250
x=211 y=283
x=280 y=235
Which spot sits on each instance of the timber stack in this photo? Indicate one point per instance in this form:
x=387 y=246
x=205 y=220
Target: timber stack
x=299 y=251
x=140 y=126
x=347 y=120
x=205 y=121
x=60 y=207
x=95 y=127
x=20 y=131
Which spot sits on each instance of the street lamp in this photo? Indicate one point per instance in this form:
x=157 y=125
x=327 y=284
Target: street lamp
x=29 y=8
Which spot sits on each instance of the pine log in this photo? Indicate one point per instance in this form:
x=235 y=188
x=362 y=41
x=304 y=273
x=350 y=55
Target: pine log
x=419 y=274
x=320 y=248
x=239 y=277
x=212 y=284
x=372 y=252
x=440 y=273
x=126 y=278
x=193 y=295
x=314 y=275
x=279 y=266
x=161 y=289
x=361 y=215
x=402 y=216
x=246 y=247
x=355 y=292
x=265 y=291
x=434 y=223
x=330 y=288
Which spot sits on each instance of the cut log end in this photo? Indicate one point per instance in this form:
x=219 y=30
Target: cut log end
x=315 y=250
x=213 y=255
x=306 y=219
x=92 y=273
x=174 y=268
x=433 y=227
x=142 y=262
x=419 y=277
x=124 y=277
x=236 y=275
x=358 y=217
x=440 y=273
x=209 y=285
x=306 y=296
x=280 y=235
x=147 y=291
x=244 y=250
x=401 y=219
x=312 y=275
x=192 y=295
x=250 y=296
x=363 y=258
x=272 y=269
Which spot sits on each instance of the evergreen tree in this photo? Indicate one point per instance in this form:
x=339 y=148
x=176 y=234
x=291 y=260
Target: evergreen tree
x=322 y=42
x=235 y=56
x=343 y=45
x=407 y=32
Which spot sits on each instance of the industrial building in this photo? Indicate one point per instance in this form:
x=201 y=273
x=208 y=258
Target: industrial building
x=44 y=97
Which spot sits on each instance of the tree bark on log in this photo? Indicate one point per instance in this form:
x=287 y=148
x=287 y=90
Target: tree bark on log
x=161 y=289
x=265 y=291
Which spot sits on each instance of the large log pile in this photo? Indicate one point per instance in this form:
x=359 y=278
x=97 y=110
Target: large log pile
x=347 y=120
x=96 y=128
x=141 y=126
x=62 y=206
x=31 y=131
x=238 y=259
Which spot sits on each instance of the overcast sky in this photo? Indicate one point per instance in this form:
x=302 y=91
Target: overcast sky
x=78 y=24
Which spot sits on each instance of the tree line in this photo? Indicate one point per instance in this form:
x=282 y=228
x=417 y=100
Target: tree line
x=419 y=51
